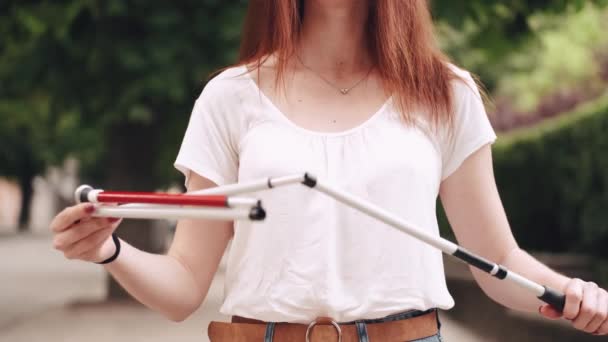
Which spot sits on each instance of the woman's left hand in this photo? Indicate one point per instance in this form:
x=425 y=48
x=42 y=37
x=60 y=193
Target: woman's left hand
x=586 y=307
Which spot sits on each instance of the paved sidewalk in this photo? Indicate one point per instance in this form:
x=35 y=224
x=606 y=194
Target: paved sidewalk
x=44 y=297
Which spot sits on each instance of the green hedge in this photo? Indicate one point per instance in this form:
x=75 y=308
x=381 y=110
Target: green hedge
x=553 y=181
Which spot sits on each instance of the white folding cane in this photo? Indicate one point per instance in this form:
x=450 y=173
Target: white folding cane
x=207 y=203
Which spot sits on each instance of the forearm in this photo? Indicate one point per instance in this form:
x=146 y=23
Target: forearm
x=160 y=282
x=510 y=294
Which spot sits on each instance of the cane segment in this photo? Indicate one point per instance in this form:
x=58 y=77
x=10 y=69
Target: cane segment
x=146 y=205
x=544 y=293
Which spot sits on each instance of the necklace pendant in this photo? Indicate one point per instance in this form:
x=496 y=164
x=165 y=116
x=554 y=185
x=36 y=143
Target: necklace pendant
x=344 y=91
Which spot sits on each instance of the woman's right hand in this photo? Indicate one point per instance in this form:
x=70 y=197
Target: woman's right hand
x=81 y=236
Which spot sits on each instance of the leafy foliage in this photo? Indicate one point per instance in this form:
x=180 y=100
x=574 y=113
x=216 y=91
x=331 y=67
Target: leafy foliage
x=565 y=58
x=74 y=74
x=563 y=165
x=501 y=24
x=553 y=181
x=482 y=34
x=72 y=71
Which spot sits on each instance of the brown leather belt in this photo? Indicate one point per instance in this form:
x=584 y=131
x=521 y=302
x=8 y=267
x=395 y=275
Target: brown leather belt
x=324 y=330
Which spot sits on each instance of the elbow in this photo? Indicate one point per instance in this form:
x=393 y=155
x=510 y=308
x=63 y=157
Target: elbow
x=181 y=310
x=180 y=314
x=488 y=285
x=177 y=318
x=190 y=298
x=495 y=289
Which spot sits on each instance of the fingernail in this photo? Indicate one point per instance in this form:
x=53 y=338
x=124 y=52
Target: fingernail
x=89 y=209
x=113 y=219
x=540 y=309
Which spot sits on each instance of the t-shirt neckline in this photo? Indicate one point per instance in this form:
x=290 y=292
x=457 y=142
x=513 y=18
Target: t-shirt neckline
x=278 y=113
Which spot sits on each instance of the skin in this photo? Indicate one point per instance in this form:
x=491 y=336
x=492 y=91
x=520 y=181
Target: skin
x=469 y=195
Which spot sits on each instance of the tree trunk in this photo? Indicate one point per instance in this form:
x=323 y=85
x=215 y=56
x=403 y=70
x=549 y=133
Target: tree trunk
x=25 y=183
x=131 y=162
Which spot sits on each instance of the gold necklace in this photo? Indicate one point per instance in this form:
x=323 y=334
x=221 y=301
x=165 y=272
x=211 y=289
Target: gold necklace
x=343 y=91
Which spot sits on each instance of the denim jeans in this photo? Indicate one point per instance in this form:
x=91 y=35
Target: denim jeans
x=361 y=326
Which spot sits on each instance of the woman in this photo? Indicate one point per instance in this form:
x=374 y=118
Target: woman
x=357 y=93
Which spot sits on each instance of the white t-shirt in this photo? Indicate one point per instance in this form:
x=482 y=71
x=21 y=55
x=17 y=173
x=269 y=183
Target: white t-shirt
x=313 y=256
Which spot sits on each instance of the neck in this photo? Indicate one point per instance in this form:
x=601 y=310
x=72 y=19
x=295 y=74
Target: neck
x=333 y=37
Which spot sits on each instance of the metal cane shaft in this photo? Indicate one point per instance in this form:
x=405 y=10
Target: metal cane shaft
x=546 y=294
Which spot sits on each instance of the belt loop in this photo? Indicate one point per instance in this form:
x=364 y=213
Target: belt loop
x=438 y=320
x=362 y=331
x=269 y=332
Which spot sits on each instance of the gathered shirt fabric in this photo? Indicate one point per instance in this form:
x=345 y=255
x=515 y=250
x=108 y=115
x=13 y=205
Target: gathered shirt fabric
x=313 y=256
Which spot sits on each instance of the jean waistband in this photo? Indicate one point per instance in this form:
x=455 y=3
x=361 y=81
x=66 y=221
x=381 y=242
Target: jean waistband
x=393 y=317
x=361 y=324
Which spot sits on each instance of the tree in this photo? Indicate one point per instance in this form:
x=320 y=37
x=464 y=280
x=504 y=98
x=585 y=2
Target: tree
x=19 y=161
x=483 y=34
x=112 y=82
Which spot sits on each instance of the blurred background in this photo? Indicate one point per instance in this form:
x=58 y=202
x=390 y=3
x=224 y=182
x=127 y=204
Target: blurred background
x=100 y=92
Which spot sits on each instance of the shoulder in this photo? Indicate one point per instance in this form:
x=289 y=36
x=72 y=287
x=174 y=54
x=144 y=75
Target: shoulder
x=228 y=101
x=468 y=107
x=227 y=84
x=459 y=72
x=463 y=84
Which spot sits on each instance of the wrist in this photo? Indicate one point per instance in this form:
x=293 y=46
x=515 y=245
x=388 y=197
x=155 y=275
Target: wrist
x=558 y=281
x=110 y=250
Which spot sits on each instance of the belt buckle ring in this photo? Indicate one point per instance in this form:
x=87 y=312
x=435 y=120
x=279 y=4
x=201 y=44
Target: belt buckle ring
x=315 y=322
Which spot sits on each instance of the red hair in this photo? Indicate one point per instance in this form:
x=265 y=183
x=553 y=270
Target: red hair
x=403 y=48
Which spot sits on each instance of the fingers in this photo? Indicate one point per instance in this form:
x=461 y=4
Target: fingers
x=85 y=239
x=588 y=306
x=69 y=215
x=91 y=242
x=80 y=230
x=106 y=249
x=574 y=297
x=601 y=314
x=549 y=311
x=603 y=329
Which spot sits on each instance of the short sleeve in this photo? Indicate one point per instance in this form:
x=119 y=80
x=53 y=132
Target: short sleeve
x=208 y=147
x=471 y=129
